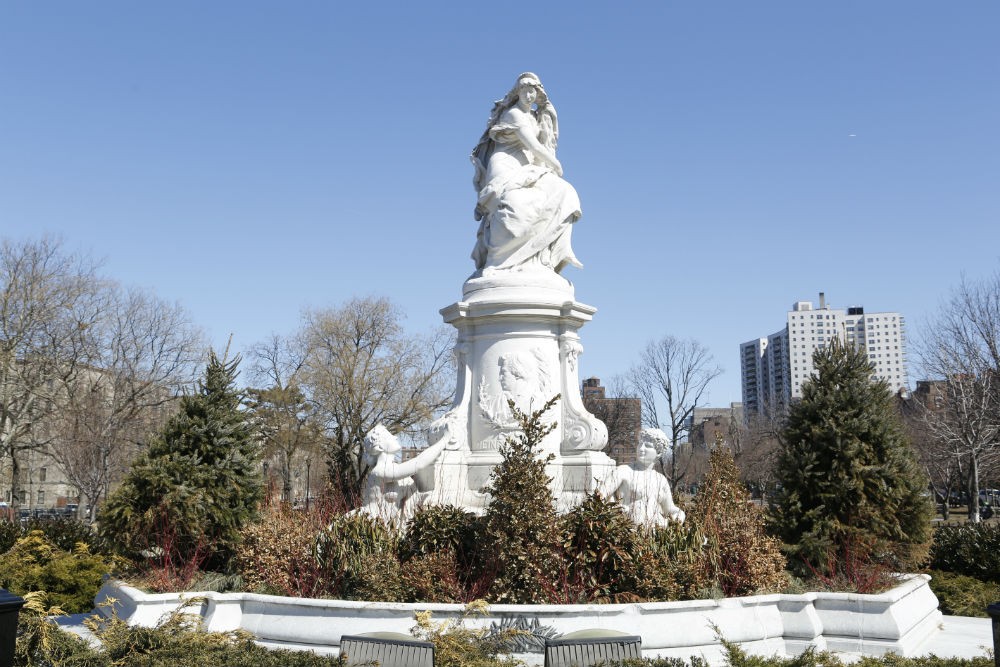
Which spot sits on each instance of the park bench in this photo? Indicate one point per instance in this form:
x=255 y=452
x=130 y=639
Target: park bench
x=388 y=649
x=586 y=648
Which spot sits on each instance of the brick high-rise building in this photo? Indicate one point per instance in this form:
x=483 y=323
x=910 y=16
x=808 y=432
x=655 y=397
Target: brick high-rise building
x=622 y=416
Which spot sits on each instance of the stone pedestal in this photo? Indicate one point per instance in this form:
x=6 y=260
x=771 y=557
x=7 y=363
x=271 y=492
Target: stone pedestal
x=517 y=340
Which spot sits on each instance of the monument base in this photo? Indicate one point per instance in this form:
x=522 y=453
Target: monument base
x=518 y=343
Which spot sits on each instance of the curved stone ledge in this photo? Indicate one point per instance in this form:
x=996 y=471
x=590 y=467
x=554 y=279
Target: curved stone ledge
x=899 y=620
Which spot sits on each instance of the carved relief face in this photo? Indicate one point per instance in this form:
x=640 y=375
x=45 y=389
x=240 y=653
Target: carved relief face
x=512 y=373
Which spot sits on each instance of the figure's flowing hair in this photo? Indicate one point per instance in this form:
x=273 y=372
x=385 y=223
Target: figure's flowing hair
x=544 y=113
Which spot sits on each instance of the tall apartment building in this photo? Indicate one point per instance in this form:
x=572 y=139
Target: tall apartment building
x=773 y=369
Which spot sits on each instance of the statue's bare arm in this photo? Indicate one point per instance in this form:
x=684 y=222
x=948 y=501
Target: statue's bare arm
x=667 y=505
x=395 y=471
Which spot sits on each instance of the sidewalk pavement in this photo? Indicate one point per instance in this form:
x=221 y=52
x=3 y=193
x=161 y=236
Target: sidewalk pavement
x=960 y=637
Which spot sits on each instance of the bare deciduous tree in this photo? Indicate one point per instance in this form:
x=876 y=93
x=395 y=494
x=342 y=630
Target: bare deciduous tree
x=755 y=445
x=961 y=349
x=360 y=368
x=941 y=464
x=671 y=378
x=51 y=303
x=144 y=352
x=285 y=419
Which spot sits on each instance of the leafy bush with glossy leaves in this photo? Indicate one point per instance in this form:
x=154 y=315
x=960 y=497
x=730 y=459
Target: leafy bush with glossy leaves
x=358 y=555
x=435 y=529
x=600 y=544
x=672 y=563
x=521 y=533
x=434 y=577
x=441 y=556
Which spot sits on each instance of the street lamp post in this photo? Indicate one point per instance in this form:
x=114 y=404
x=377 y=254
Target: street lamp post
x=308 y=480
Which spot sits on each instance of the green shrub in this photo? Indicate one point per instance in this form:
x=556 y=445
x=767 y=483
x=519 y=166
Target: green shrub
x=179 y=641
x=434 y=577
x=41 y=642
x=434 y=529
x=441 y=555
x=10 y=532
x=972 y=549
x=741 y=558
x=67 y=532
x=521 y=533
x=672 y=563
x=600 y=545
x=658 y=662
x=960 y=595
x=358 y=555
x=737 y=657
x=893 y=660
x=457 y=645
x=70 y=579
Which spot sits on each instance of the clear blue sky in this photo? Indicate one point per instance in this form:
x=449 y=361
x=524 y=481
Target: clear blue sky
x=249 y=159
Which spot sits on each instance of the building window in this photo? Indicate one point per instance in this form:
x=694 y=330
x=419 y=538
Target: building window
x=42 y=473
x=41 y=497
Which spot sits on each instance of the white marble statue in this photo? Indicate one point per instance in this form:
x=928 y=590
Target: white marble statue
x=642 y=491
x=525 y=208
x=390 y=491
x=517 y=324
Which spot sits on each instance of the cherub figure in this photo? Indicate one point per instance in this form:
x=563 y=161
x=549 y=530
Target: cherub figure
x=389 y=488
x=642 y=491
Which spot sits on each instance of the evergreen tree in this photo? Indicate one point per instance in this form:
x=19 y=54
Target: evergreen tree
x=199 y=482
x=850 y=487
x=521 y=528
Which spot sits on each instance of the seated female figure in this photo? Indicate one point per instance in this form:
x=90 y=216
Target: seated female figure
x=524 y=206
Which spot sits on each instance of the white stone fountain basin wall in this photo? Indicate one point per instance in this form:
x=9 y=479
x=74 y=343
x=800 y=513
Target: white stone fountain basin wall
x=899 y=620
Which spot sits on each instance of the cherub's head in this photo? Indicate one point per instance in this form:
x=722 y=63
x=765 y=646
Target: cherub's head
x=652 y=442
x=380 y=441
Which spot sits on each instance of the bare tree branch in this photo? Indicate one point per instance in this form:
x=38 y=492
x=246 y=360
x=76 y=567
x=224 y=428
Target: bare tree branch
x=671 y=377
x=960 y=351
